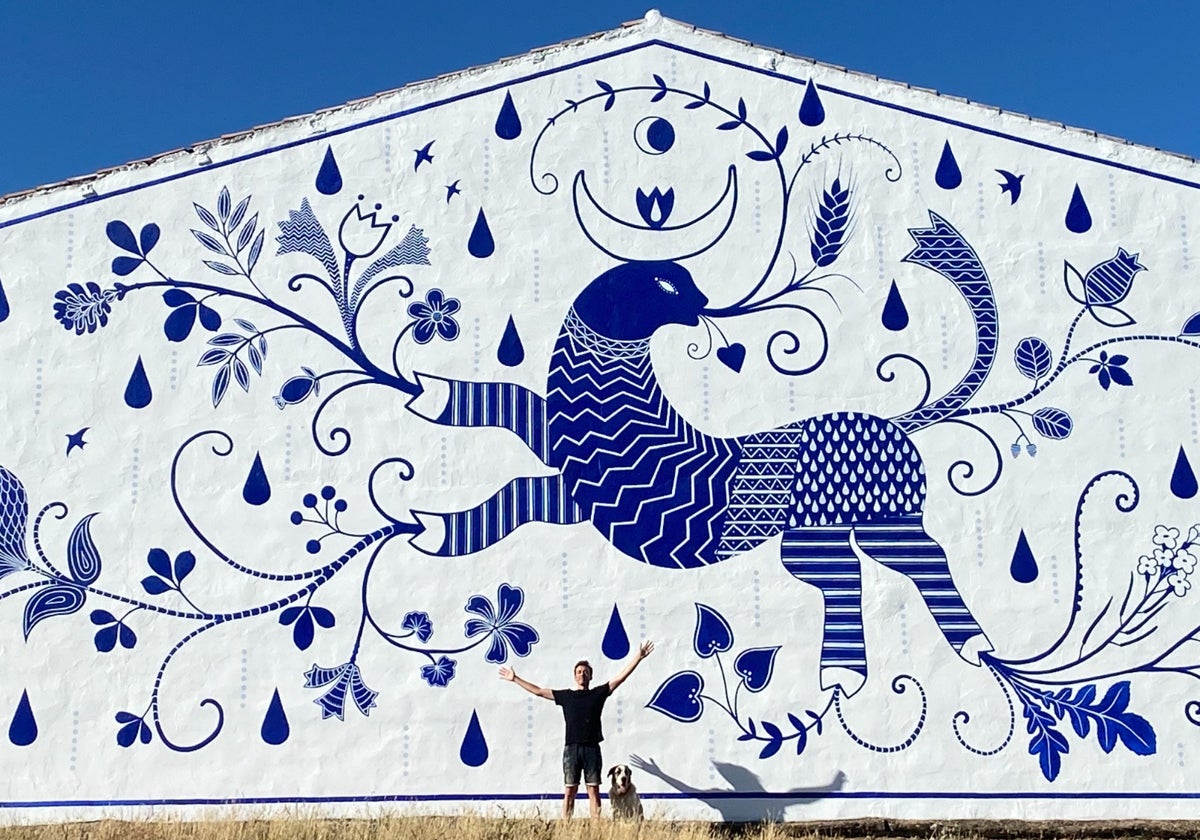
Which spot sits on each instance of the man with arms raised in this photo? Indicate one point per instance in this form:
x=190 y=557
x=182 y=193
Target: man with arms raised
x=581 y=707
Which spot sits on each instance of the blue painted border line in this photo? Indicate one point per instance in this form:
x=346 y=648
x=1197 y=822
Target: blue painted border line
x=549 y=797
x=317 y=138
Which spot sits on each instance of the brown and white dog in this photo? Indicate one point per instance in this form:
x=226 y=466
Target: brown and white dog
x=623 y=796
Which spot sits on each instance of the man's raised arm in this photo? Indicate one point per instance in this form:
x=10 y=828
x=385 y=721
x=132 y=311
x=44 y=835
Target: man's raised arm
x=642 y=652
x=511 y=675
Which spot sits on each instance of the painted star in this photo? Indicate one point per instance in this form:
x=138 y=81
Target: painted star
x=423 y=155
x=76 y=440
x=452 y=190
x=1011 y=185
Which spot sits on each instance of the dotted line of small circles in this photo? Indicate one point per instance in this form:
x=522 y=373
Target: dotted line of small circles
x=387 y=149
x=1195 y=416
x=979 y=537
x=487 y=163
x=879 y=254
x=1112 y=199
x=537 y=275
x=757 y=207
x=792 y=397
x=564 y=580
x=642 y=618
x=1121 y=437
x=705 y=394
x=757 y=587
x=945 y=321
x=37 y=388
x=70 y=241
x=620 y=714
x=134 y=468
x=712 y=755
x=902 y=620
x=245 y=676
x=287 y=452
x=1183 y=240
x=916 y=166
x=478 y=350
x=1179 y=752
x=1042 y=265
x=406 y=742
x=1054 y=578
x=444 y=458
x=74 y=738
x=979 y=201
x=173 y=376
x=529 y=728
x=607 y=168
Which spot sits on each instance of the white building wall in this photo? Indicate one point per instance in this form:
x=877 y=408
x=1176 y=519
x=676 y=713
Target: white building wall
x=1059 y=482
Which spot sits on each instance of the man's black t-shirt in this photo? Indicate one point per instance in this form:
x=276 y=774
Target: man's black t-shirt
x=581 y=710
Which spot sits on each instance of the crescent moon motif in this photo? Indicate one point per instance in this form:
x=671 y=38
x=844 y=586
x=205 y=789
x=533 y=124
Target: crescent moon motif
x=642 y=243
x=654 y=135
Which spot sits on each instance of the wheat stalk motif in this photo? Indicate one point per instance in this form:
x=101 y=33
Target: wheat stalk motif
x=831 y=224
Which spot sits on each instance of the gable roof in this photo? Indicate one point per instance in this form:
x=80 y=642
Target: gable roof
x=652 y=29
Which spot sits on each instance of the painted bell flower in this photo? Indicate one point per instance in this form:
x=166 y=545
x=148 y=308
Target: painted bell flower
x=298 y=388
x=440 y=672
x=345 y=682
x=656 y=206
x=14 y=517
x=84 y=309
x=1109 y=282
x=418 y=624
x=432 y=316
x=361 y=234
x=498 y=622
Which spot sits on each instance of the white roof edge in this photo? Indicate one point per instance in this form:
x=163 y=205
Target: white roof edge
x=652 y=19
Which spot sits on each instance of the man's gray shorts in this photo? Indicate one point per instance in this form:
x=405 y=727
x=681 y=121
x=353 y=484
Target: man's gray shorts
x=585 y=758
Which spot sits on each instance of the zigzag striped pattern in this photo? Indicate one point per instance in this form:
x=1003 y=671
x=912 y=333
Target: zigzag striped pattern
x=941 y=248
x=656 y=487
x=762 y=489
x=303 y=234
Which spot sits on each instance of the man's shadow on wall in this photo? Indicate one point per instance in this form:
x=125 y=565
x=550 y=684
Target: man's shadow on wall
x=743 y=781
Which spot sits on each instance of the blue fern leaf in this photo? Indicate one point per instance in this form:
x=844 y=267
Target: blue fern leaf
x=1047 y=743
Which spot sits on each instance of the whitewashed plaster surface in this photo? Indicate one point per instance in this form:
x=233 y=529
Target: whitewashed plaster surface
x=1084 y=707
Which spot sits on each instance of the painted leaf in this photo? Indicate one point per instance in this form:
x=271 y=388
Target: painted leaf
x=209 y=241
x=220 y=385
x=60 y=599
x=1033 y=357
x=177 y=297
x=207 y=217
x=1052 y=423
x=223 y=204
x=679 y=697
x=713 y=634
x=239 y=213
x=83 y=558
x=148 y=237
x=179 y=323
x=120 y=235
x=159 y=562
x=155 y=585
x=14 y=518
x=755 y=666
x=1191 y=326
x=210 y=319
x=105 y=639
x=124 y=266
x=184 y=563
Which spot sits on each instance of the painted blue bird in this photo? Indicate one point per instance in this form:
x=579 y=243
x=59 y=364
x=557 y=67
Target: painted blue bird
x=1011 y=185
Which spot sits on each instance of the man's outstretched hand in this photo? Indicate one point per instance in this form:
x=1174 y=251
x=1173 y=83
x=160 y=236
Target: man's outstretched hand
x=645 y=649
x=508 y=674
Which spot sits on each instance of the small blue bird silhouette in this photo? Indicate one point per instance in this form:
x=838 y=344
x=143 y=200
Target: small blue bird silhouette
x=423 y=155
x=76 y=440
x=1011 y=185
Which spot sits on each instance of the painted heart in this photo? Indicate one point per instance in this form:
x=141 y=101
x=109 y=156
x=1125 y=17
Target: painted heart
x=755 y=667
x=733 y=356
x=679 y=697
x=713 y=633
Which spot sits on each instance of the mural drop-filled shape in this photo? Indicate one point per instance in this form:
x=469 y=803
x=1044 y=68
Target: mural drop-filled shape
x=257 y=489
x=275 y=728
x=812 y=111
x=1024 y=566
x=616 y=641
x=948 y=176
x=474 y=749
x=895 y=313
x=511 y=351
x=137 y=390
x=23 y=730
x=1183 y=477
x=1079 y=217
x=481 y=244
x=329 y=176
x=508 y=121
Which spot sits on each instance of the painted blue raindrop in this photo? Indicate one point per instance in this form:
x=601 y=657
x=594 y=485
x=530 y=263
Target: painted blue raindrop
x=481 y=243
x=4 y=310
x=1079 y=218
x=616 y=641
x=511 y=351
x=948 y=176
x=275 y=727
x=257 y=490
x=474 y=749
x=895 y=313
x=812 y=112
x=508 y=122
x=23 y=730
x=1024 y=568
x=1183 y=478
x=329 y=177
x=137 y=392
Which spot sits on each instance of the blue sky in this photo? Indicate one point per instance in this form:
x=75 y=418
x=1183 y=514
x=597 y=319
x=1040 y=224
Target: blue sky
x=87 y=85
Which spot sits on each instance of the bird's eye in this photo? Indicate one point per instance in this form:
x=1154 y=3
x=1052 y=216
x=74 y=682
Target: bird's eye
x=667 y=286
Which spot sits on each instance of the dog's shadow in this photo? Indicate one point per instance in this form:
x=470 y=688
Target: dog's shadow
x=742 y=781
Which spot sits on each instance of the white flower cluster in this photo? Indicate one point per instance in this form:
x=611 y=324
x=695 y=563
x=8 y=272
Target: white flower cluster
x=1173 y=559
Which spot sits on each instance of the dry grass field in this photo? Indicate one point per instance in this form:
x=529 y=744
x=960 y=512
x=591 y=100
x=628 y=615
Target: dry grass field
x=478 y=828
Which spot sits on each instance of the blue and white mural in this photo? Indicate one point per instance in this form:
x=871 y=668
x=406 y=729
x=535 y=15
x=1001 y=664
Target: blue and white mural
x=876 y=411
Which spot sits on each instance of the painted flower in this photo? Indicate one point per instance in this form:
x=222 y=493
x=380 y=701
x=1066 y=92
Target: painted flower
x=1110 y=369
x=1147 y=565
x=499 y=623
x=1179 y=583
x=1164 y=557
x=1109 y=282
x=84 y=309
x=1166 y=537
x=360 y=234
x=440 y=672
x=419 y=624
x=1185 y=561
x=432 y=317
x=344 y=682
